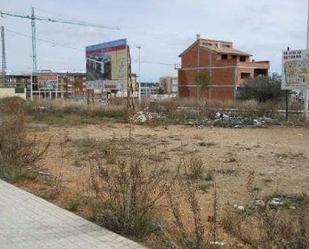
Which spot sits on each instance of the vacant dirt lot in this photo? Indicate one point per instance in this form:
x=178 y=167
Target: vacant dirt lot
x=279 y=156
x=276 y=157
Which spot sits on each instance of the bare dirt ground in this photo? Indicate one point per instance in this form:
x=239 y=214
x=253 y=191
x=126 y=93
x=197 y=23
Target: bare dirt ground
x=277 y=156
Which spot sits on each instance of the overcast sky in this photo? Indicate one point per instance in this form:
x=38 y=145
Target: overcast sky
x=164 y=28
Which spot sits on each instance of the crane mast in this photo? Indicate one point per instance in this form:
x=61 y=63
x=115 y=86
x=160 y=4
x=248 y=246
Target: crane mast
x=34 y=51
x=3 y=72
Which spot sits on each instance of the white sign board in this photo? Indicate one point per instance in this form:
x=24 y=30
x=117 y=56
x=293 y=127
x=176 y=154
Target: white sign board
x=107 y=85
x=295 y=69
x=48 y=81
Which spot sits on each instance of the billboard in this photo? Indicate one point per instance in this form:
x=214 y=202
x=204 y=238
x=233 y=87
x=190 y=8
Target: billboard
x=106 y=65
x=295 y=69
x=48 y=81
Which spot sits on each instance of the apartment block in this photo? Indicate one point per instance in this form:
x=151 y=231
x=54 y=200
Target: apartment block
x=169 y=84
x=228 y=69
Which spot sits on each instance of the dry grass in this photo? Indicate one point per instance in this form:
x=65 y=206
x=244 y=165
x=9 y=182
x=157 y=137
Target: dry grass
x=175 y=111
x=129 y=175
x=74 y=113
x=269 y=228
x=127 y=192
x=19 y=154
x=184 y=186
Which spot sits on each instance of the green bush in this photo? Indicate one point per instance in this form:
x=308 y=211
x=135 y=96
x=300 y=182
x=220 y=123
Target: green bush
x=73 y=204
x=263 y=89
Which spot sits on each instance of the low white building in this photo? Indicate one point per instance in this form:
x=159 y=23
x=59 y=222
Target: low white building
x=12 y=92
x=169 y=84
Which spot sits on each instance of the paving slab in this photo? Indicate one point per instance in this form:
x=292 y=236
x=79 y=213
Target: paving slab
x=29 y=222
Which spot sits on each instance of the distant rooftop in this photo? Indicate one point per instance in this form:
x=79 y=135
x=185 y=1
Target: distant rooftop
x=28 y=73
x=220 y=47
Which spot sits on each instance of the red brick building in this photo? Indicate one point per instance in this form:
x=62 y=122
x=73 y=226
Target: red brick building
x=227 y=67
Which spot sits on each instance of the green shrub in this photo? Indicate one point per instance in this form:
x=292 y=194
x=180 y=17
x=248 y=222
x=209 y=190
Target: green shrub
x=263 y=89
x=204 y=187
x=73 y=204
x=209 y=176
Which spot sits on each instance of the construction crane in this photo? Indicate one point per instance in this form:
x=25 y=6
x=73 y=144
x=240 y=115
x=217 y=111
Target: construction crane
x=3 y=55
x=33 y=19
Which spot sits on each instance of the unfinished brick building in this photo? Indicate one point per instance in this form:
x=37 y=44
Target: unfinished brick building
x=227 y=67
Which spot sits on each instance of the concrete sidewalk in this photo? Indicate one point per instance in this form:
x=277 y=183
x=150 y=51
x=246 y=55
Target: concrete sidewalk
x=28 y=222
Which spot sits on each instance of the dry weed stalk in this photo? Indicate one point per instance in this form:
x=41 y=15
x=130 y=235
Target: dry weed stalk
x=213 y=220
x=185 y=184
x=19 y=154
x=128 y=193
x=250 y=184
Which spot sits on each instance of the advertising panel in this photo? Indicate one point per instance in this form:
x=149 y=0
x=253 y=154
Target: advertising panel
x=295 y=69
x=106 y=65
x=48 y=81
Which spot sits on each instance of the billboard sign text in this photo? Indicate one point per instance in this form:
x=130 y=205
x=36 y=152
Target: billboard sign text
x=295 y=69
x=107 y=62
x=48 y=81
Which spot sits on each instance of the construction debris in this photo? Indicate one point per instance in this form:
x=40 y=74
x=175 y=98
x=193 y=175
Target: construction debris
x=224 y=120
x=259 y=203
x=239 y=208
x=143 y=117
x=217 y=243
x=276 y=202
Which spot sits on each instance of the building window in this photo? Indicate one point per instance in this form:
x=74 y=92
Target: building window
x=207 y=44
x=19 y=90
x=243 y=58
x=234 y=56
x=245 y=76
x=224 y=57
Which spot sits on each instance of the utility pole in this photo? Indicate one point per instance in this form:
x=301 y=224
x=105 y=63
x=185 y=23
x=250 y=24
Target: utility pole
x=3 y=55
x=139 y=75
x=306 y=91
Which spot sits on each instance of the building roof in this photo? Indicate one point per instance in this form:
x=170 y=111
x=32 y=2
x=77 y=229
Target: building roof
x=218 y=48
x=232 y=51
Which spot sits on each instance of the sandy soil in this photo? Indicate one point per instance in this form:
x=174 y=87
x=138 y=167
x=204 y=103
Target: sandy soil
x=279 y=156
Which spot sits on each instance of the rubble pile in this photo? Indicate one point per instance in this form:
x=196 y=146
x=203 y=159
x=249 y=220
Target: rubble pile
x=218 y=119
x=143 y=117
x=223 y=120
x=288 y=202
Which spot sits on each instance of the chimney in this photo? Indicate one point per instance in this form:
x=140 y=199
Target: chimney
x=198 y=37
